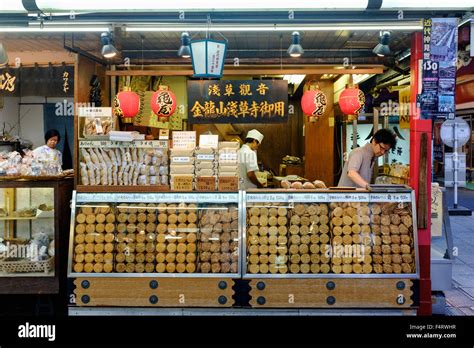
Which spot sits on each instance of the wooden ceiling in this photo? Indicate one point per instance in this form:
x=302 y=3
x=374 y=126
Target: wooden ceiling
x=252 y=47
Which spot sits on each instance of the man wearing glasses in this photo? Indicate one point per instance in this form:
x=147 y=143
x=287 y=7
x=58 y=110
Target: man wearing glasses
x=357 y=171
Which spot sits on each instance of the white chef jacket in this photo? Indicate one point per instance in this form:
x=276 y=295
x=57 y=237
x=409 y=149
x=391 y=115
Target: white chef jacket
x=247 y=163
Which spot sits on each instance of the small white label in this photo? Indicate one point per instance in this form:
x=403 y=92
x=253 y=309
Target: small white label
x=205 y=157
x=228 y=156
x=180 y=159
x=94 y=112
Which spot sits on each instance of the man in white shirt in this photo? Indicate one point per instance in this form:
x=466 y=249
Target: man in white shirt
x=248 y=160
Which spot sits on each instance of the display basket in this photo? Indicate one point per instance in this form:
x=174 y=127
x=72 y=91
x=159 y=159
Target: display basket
x=20 y=265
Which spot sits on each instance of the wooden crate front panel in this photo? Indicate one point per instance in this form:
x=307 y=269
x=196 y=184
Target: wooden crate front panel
x=347 y=293
x=171 y=292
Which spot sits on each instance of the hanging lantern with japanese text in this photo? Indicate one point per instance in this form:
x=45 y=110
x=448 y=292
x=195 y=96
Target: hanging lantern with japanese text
x=351 y=102
x=126 y=105
x=163 y=103
x=313 y=103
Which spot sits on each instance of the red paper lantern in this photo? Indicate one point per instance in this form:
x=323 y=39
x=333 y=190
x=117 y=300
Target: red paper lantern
x=314 y=103
x=352 y=101
x=126 y=104
x=163 y=102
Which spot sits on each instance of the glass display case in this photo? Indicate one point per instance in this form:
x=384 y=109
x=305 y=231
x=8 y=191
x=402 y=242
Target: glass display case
x=154 y=234
x=27 y=231
x=305 y=234
x=34 y=214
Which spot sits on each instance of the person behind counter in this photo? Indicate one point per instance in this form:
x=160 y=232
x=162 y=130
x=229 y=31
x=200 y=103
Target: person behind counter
x=357 y=171
x=248 y=165
x=48 y=153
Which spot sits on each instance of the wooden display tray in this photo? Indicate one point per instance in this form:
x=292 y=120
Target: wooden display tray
x=167 y=292
x=118 y=188
x=320 y=293
x=35 y=178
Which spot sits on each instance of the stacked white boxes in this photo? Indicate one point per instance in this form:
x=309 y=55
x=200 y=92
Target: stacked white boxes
x=228 y=159
x=181 y=164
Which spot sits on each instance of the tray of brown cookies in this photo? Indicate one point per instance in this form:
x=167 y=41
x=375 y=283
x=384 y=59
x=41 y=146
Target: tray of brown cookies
x=267 y=238
x=94 y=239
x=394 y=248
x=218 y=246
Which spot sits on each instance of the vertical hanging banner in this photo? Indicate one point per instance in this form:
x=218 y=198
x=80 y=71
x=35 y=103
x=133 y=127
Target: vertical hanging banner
x=208 y=57
x=238 y=101
x=404 y=107
x=440 y=41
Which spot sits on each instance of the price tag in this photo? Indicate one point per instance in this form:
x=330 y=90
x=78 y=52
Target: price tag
x=206 y=183
x=183 y=183
x=184 y=140
x=230 y=183
x=343 y=197
x=267 y=197
x=379 y=197
x=217 y=197
x=208 y=140
x=401 y=197
x=205 y=157
x=164 y=134
x=310 y=197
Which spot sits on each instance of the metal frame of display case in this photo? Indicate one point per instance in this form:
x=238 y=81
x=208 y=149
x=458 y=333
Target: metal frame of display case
x=165 y=197
x=324 y=199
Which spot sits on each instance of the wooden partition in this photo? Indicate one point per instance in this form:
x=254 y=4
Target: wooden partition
x=84 y=69
x=319 y=142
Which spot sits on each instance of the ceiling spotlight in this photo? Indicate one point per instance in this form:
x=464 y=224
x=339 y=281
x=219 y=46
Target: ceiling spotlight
x=3 y=55
x=295 y=49
x=108 y=49
x=382 y=48
x=185 y=48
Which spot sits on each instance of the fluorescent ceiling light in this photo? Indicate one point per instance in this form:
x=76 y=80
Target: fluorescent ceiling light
x=12 y=6
x=192 y=5
x=426 y=4
x=295 y=79
x=359 y=78
x=51 y=29
x=221 y=28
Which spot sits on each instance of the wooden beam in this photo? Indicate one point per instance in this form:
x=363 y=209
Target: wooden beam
x=30 y=58
x=248 y=71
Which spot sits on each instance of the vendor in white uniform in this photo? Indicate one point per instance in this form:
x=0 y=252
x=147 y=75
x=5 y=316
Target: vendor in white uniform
x=248 y=160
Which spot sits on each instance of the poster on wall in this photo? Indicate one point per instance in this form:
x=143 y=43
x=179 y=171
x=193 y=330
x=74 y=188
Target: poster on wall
x=440 y=40
x=238 y=101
